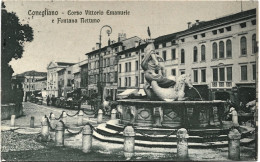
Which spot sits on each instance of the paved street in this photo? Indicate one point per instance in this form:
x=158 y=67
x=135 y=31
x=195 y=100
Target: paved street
x=22 y=146
x=38 y=111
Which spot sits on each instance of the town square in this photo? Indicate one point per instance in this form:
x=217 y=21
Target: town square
x=120 y=81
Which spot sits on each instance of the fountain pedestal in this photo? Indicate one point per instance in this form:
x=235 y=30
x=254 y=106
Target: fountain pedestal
x=175 y=114
x=156 y=123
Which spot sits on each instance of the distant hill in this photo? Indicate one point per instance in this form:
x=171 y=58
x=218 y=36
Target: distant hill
x=33 y=73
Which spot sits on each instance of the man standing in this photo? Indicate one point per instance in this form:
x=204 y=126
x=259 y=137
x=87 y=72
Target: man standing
x=48 y=100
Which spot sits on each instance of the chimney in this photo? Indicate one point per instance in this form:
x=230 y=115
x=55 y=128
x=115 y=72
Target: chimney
x=97 y=45
x=197 y=22
x=189 y=24
x=136 y=43
x=121 y=37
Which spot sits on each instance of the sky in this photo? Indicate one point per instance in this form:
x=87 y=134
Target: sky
x=69 y=42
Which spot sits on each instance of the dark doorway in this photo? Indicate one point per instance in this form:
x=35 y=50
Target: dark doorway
x=247 y=94
x=222 y=96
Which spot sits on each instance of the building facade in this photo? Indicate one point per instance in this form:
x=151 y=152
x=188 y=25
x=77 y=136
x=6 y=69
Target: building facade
x=221 y=56
x=65 y=81
x=84 y=75
x=52 y=77
x=130 y=74
x=29 y=82
x=104 y=61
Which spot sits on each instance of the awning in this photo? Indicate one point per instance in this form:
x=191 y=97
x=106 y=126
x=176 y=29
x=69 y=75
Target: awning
x=141 y=92
x=126 y=93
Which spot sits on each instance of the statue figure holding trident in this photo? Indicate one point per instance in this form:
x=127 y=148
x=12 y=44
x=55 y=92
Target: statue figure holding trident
x=157 y=85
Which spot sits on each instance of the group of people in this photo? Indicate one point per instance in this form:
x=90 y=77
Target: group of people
x=50 y=100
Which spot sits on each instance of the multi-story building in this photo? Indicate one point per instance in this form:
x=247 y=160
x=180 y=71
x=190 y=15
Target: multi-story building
x=52 y=76
x=84 y=76
x=167 y=47
x=220 y=55
x=29 y=82
x=76 y=75
x=65 y=81
x=41 y=84
x=108 y=65
x=130 y=73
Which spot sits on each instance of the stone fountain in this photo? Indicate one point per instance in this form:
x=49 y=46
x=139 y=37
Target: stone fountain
x=166 y=109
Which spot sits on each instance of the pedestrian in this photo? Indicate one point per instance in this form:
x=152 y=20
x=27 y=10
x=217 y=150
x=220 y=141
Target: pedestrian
x=48 y=100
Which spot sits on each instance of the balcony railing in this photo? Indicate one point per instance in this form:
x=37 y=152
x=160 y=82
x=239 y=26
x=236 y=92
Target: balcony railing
x=222 y=84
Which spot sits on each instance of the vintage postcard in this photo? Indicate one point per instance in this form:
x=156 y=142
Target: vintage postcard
x=129 y=80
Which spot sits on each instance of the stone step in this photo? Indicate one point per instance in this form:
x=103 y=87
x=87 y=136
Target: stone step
x=103 y=138
x=170 y=137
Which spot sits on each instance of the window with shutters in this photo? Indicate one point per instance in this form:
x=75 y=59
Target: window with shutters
x=203 y=53
x=229 y=48
x=174 y=54
x=254 y=71
x=243 y=45
x=221 y=49
x=195 y=54
x=182 y=56
x=254 y=44
x=244 y=72
x=215 y=74
x=195 y=76
x=229 y=73
x=215 y=50
x=203 y=75
x=164 y=55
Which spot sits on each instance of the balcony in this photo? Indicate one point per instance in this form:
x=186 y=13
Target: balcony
x=222 y=84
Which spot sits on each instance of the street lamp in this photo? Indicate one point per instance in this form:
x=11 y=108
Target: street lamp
x=100 y=85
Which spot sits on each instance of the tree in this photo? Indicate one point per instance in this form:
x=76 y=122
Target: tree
x=14 y=35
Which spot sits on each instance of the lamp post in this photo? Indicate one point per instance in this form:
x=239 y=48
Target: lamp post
x=100 y=78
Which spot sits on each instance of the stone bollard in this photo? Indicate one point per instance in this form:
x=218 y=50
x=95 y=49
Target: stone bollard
x=59 y=134
x=129 y=142
x=234 y=144
x=64 y=117
x=234 y=116
x=100 y=116
x=80 y=118
x=113 y=114
x=45 y=129
x=182 y=144
x=52 y=124
x=87 y=138
x=12 y=121
x=32 y=122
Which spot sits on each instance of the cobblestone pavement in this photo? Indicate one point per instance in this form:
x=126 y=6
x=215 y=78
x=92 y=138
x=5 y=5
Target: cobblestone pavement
x=17 y=146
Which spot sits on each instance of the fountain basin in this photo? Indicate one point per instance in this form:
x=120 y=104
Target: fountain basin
x=172 y=114
x=156 y=123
